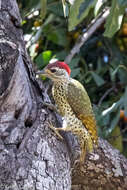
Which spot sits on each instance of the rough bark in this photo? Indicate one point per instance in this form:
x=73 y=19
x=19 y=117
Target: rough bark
x=31 y=156
x=105 y=169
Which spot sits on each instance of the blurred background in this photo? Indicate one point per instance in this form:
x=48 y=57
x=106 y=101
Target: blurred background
x=51 y=29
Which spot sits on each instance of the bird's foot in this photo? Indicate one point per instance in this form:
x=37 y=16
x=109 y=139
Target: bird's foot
x=78 y=164
x=55 y=130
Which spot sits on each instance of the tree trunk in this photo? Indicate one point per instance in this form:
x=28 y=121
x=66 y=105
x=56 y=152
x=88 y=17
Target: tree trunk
x=31 y=155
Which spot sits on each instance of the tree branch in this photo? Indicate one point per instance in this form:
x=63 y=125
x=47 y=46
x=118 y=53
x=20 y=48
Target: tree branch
x=95 y=24
x=105 y=95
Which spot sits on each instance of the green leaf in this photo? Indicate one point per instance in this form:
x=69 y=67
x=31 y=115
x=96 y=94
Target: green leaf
x=56 y=8
x=122 y=2
x=123 y=77
x=114 y=20
x=39 y=61
x=115 y=138
x=65 y=8
x=122 y=73
x=43 y=59
x=99 y=81
x=23 y=22
x=98 y=6
x=114 y=121
x=56 y=35
x=125 y=102
x=32 y=4
x=78 y=11
x=61 y=55
x=74 y=62
x=75 y=72
x=43 y=8
x=46 y=56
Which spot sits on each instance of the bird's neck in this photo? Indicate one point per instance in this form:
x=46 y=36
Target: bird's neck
x=60 y=85
x=62 y=81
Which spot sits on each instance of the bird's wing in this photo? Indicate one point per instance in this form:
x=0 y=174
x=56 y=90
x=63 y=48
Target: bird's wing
x=79 y=101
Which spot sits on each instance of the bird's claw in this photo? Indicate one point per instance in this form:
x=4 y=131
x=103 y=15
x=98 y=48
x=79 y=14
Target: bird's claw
x=79 y=165
x=55 y=130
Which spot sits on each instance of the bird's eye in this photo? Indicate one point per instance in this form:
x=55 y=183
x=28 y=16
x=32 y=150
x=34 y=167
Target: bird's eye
x=53 y=70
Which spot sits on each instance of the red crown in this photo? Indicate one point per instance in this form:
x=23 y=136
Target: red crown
x=61 y=65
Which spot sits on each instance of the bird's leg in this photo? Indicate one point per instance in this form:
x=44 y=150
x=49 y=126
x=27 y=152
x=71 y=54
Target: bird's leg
x=55 y=130
x=63 y=129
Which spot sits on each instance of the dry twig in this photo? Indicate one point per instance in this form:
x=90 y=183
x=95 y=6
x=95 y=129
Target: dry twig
x=95 y=24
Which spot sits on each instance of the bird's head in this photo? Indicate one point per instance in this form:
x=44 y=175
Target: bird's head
x=56 y=71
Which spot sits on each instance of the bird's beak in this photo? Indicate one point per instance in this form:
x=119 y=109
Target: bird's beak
x=42 y=72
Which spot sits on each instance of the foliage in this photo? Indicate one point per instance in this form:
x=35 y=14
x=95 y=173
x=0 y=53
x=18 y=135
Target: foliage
x=51 y=28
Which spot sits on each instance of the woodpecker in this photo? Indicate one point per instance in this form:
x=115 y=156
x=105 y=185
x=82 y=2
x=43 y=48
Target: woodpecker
x=74 y=105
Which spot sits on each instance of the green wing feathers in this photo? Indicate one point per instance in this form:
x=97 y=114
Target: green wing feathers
x=80 y=103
